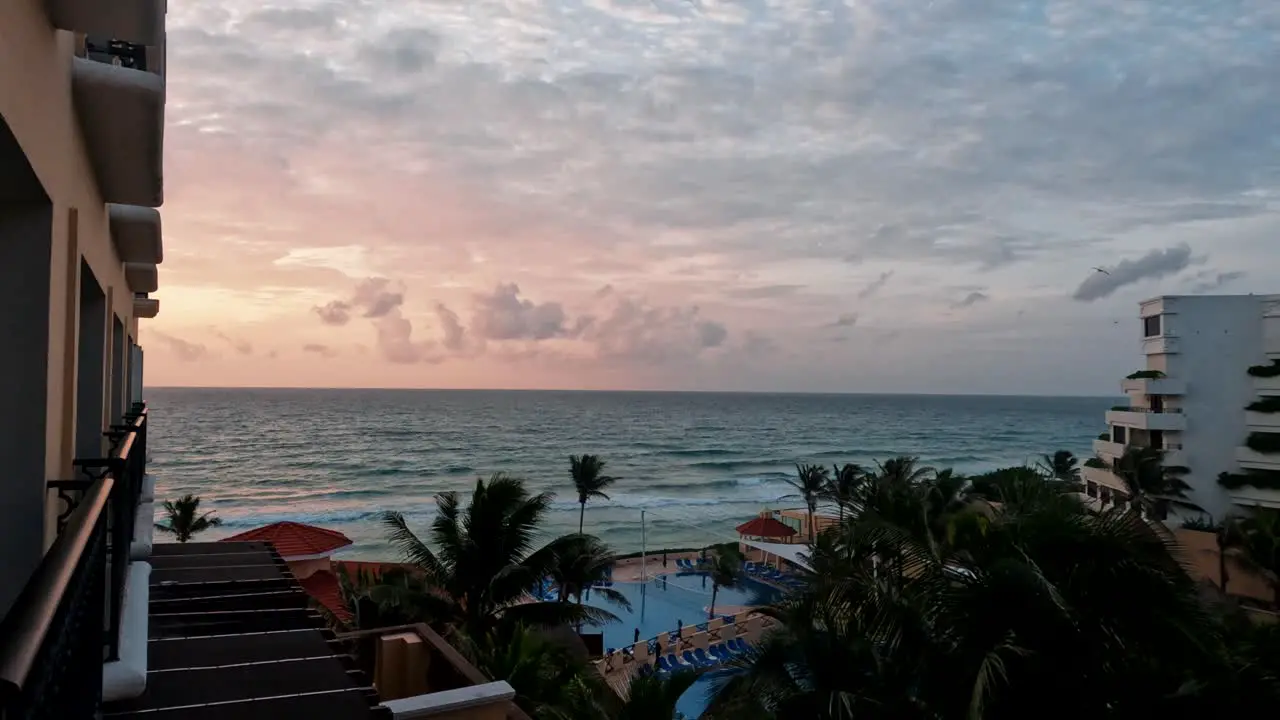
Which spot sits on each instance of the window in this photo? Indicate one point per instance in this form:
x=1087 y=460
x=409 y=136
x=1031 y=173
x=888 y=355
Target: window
x=1117 y=434
x=1151 y=326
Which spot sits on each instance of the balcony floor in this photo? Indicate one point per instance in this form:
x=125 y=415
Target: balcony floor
x=232 y=636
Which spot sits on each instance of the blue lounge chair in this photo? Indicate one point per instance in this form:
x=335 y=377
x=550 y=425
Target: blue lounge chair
x=609 y=651
x=676 y=663
x=721 y=652
x=683 y=564
x=701 y=655
x=739 y=645
x=663 y=665
x=691 y=660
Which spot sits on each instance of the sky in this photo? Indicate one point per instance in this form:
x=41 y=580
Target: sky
x=770 y=195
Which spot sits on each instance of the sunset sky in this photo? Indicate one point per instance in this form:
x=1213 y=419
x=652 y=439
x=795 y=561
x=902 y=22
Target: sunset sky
x=809 y=195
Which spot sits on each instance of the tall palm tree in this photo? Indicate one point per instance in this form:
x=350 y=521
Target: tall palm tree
x=903 y=469
x=589 y=480
x=549 y=683
x=842 y=487
x=811 y=483
x=482 y=565
x=725 y=571
x=185 y=519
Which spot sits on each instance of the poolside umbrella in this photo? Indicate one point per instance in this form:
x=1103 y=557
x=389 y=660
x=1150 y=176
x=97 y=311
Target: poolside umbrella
x=765 y=527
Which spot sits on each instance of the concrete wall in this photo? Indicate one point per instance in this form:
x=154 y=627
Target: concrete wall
x=1219 y=337
x=43 y=161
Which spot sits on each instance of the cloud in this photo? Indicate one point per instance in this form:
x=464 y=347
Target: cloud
x=1208 y=281
x=241 y=346
x=322 y=350
x=971 y=299
x=372 y=298
x=875 y=286
x=844 y=320
x=711 y=334
x=1154 y=265
x=454 y=334
x=635 y=330
x=183 y=350
x=504 y=315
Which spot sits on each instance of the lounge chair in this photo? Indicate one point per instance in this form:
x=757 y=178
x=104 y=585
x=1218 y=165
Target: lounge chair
x=690 y=659
x=683 y=564
x=720 y=651
x=702 y=657
x=677 y=664
x=739 y=645
x=663 y=665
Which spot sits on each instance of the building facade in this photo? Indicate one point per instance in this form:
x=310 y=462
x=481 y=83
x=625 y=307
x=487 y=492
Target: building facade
x=81 y=140
x=1201 y=398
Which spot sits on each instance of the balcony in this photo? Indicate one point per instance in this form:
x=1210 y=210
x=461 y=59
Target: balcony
x=142 y=277
x=1154 y=386
x=109 y=626
x=1251 y=459
x=1271 y=346
x=145 y=307
x=1108 y=450
x=1267 y=385
x=1141 y=419
x=119 y=99
x=1160 y=345
x=135 y=231
x=1266 y=422
x=1255 y=496
x=136 y=21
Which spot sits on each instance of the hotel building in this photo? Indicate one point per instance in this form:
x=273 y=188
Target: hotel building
x=1208 y=395
x=94 y=619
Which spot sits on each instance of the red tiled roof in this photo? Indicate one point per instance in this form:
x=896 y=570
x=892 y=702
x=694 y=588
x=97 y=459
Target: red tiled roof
x=293 y=539
x=322 y=586
x=765 y=527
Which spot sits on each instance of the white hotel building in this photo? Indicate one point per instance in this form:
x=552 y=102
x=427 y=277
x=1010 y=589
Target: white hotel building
x=1207 y=358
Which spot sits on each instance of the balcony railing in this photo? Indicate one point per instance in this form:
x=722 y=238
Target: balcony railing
x=117 y=52
x=66 y=621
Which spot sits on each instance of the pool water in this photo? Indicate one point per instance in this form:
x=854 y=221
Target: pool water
x=660 y=604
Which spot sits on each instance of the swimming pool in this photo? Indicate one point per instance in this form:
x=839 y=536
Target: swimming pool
x=660 y=604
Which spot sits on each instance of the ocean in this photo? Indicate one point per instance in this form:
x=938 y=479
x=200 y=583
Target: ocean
x=696 y=464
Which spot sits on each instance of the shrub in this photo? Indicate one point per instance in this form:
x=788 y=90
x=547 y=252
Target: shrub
x=1266 y=371
x=1146 y=375
x=1202 y=523
x=1124 y=408
x=1264 y=442
x=1105 y=436
x=1094 y=462
x=1263 y=479
x=1265 y=405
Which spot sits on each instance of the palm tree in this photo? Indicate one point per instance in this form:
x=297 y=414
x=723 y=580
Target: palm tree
x=654 y=697
x=725 y=571
x=483 y=565
x=589 y=480
x=1259 y=543
x=549 y=683
x=842 y=488
x=811 y=483
x=987 y=625
x=1062 y=466
x=184 y=518
x=1150 y=485
x=903 y=469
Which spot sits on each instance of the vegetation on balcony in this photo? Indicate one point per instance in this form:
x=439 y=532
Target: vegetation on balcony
x=1263 y=442
x=1269 y=370
x=1096 y=463
x=1264 y=405
x=1146 y=375
x=1126 y=408
x=1261 y=479
x=1105 y=436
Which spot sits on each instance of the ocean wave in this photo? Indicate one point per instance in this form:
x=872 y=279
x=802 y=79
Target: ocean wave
x=702 y=452
x=738 y=464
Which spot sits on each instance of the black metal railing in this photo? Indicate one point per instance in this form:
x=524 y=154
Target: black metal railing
x=117 y=52
x=66 y=621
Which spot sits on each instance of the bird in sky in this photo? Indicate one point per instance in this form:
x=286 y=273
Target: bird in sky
x=1104 y=272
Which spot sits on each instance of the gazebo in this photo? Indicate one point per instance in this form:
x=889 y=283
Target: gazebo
x=763 y=532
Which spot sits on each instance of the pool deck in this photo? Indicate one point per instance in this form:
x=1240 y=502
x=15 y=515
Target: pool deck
x=631 y=570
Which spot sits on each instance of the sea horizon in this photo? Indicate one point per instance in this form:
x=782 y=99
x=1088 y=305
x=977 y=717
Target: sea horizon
x=696 y=463
x=638 y=391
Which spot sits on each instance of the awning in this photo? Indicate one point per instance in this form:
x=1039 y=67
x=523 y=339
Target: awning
x=790 y=552
x=766 y=527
